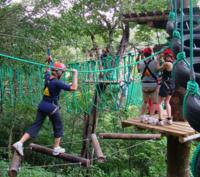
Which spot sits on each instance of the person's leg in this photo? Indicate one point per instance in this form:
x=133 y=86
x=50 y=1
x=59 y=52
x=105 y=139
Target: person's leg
x=35 y=127
x=168 y=108
x=32 y=132
x=160 y=100
x=25 y=138
x=145 y=102
x=154 y=99
x=58 y=133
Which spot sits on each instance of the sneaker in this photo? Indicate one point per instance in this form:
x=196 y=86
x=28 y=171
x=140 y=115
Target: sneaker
x=58 y=150
x=169 y=121
x=152 y=121
x=144 y=118
x=18 y=146
x=161 y=122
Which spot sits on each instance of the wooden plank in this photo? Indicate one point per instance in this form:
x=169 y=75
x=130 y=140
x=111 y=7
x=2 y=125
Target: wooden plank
x=182 y=129
x=186 y=128
x=189 y=138
x=166 y=129
x=15 y=165
x=129 y=136
x=146 y=19
x=163 y=129
x=185 y=124
x=68 y=157
x=97 y=148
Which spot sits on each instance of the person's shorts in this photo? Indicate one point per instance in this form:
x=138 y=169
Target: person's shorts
x=150 y=94
x=166 y=89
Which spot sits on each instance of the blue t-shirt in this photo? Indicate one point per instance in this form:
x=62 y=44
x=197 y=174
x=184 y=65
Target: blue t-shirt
x=54 y=87
x=50 y=103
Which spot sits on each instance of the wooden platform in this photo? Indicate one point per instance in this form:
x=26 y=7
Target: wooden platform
x=102 y=81
x=178 y=129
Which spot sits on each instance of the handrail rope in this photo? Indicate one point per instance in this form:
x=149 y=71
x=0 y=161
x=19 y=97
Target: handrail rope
x=69 y=70
x=192 y=86
x=192 y=76
x=182 y=32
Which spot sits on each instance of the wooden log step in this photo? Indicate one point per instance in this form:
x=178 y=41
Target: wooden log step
x=68 y=157
x=97 y=148
x=126 y=136
x=189 y=138
x=15 y=165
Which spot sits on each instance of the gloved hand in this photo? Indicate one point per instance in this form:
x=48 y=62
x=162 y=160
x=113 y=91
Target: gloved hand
x=49 y=59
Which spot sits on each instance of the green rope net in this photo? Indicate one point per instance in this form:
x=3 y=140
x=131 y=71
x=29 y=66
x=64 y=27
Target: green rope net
x=24 y=83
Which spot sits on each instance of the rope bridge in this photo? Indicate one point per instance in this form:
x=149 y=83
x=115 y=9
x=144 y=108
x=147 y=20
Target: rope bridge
x=24 y=83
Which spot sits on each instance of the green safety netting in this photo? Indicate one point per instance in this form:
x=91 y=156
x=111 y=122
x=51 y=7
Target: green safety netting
x=24 y=84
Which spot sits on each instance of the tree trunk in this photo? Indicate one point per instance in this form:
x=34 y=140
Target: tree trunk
x=124 y=41
x=177 y=153
x=91 y=121
x=95 y=47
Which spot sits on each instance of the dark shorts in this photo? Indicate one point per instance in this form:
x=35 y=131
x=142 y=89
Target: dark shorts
x=166 y=88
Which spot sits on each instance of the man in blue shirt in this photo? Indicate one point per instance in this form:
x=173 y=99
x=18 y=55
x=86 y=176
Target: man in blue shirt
x=49 y=107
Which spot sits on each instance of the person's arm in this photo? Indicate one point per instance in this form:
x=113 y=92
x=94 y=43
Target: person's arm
x=160 y=66
x=74 y=84
x=69 y=87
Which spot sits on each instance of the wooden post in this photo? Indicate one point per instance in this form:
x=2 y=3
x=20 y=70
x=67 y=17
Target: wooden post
x=15 y=165
x=64 y=156
x=177 y=153
x=91 y=120
x=126 y=136
x=97 y=148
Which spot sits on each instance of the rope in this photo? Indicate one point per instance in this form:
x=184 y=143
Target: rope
x=182 y=33
x=194 y=160
x=109 y=69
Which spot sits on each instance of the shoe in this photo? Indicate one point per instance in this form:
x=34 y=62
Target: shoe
x=144 y=118
x=152 y=121
x=169 y=121
x=58 y=150
x=161 y=122
x=18 y=146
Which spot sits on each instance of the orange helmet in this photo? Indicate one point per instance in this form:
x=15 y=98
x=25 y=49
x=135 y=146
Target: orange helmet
x=59 y=66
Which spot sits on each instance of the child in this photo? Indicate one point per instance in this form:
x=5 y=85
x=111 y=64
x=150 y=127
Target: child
x=49 y=107
x=167 y=87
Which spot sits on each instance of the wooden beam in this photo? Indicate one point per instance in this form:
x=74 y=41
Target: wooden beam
x=189 y=138
x=15 y=165
x=146 y=19
x=64 y=156
x=97 y=148
x=178 y=154
x=126 y=136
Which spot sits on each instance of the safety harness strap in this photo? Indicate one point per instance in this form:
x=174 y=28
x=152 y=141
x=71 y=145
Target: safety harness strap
x=149 y=70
